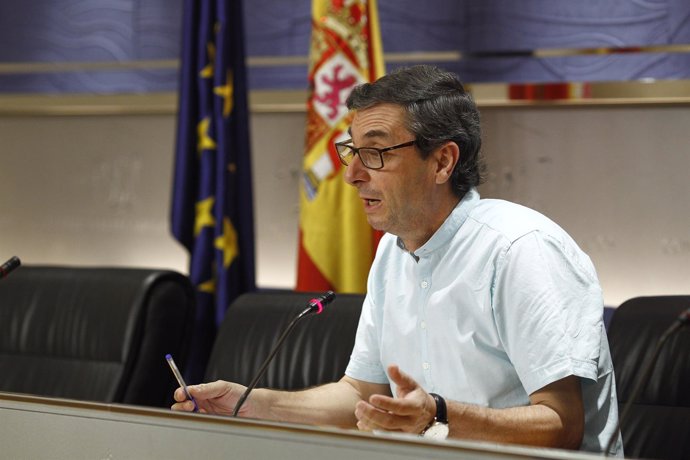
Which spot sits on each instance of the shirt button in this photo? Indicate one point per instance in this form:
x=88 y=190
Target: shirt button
x=426 y=366
x=423 y=325
x=425 y=284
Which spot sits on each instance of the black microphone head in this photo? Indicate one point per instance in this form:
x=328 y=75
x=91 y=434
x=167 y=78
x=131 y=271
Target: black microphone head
x=684 y=317
x=328 y=297
x=8 y=266
x=316 y=305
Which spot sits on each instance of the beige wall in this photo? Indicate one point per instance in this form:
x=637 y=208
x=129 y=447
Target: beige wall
x=95 y=190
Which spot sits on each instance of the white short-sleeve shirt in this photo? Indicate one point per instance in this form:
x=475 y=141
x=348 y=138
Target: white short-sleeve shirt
x=499 y=303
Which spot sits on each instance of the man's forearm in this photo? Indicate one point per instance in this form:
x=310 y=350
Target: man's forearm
x=534 y=425
x=554 y=418
x=330 y=404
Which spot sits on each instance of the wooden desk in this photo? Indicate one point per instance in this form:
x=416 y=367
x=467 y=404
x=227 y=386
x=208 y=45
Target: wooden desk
x=36 y=427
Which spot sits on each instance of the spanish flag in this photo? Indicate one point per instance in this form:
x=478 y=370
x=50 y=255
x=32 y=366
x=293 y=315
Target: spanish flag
x=336 y=243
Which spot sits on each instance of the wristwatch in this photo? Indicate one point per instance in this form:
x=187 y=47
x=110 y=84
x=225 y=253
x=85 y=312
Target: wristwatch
x=438 y=428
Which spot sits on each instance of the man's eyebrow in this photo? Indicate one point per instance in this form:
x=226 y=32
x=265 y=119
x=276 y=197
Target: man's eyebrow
x=372 y=133
x=377 y=133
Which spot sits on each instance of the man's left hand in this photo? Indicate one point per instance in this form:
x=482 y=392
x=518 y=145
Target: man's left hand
x=410 y=411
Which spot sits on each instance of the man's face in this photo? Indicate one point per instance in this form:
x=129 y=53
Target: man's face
x=396 y=197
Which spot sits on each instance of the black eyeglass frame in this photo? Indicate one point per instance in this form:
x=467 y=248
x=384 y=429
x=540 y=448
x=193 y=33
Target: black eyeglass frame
x=347 y=146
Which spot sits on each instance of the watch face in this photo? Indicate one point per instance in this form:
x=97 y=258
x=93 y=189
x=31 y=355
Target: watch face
x=437 y=431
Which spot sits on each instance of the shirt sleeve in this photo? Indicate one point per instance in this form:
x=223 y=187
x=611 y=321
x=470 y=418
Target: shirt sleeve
x=548 y=309
x=365 y=360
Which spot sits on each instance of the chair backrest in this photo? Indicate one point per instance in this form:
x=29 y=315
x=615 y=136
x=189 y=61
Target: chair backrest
x=316 y=352
x=98 y=334
x=659 y=422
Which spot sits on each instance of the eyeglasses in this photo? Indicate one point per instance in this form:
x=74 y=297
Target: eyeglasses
x=371 y=157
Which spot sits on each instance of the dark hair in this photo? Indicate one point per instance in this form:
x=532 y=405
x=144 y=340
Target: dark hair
x=438 y=109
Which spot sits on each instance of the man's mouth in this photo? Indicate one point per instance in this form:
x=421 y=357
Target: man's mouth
x=371 y=203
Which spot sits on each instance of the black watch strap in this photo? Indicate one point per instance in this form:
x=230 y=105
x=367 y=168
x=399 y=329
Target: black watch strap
x=441 y=410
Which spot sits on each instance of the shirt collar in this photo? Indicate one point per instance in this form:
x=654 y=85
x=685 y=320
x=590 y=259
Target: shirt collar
x=449 y=227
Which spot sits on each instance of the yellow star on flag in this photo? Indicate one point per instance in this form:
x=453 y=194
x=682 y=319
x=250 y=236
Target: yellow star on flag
x=205 y=142
x=225 y=92
x=208 y=287
x=207 y=71
x=204 y=215
x=227 y=242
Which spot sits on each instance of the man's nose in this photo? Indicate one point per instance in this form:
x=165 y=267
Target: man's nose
x=355 y=171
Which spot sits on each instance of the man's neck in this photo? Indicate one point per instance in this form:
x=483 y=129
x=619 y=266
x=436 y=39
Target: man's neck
x=426 y=229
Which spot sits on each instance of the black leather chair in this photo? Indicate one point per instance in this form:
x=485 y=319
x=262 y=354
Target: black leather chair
x=98 y=334
x=659 y=421
x=316 y=352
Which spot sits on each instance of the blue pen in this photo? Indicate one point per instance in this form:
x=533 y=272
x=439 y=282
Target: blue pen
x=180 y=380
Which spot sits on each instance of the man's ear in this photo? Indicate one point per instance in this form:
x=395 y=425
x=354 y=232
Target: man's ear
x=447 y=156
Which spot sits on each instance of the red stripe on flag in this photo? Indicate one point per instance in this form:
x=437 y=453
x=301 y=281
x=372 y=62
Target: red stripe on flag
x=309 y=278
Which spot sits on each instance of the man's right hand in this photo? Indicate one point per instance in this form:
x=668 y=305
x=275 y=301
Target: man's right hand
x=217 y=397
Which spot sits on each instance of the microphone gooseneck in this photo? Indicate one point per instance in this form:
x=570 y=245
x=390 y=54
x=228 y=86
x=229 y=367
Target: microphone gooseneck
x=682 y=320
x=315 y=306
x=9 y=266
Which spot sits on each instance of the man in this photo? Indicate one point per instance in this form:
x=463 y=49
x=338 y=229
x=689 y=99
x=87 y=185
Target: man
x=483 y=308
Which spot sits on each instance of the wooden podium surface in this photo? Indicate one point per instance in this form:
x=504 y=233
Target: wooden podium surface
x=37 y=427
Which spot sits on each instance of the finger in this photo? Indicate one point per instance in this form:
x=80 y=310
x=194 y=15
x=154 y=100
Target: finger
x=404 y=382
x=179 y=395
x=396 y=406
x=363 y=412
x=186 y=406
x=362 y=426
x=208 y=390
x=375 y=418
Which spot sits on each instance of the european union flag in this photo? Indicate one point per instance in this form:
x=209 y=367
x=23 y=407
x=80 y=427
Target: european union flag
x=212 y=196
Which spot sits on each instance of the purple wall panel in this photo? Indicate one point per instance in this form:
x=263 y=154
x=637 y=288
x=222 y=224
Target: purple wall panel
x=128 y=30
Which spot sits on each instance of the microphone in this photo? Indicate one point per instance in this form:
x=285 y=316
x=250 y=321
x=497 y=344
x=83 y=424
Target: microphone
x=315 y=306
x=9 y=266
x=682 y=320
